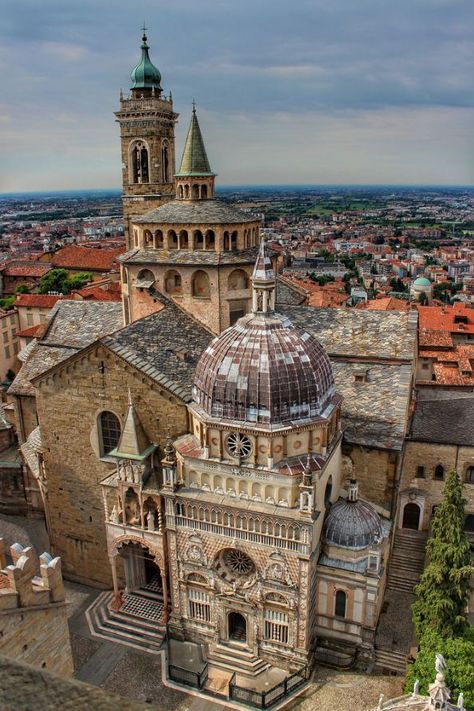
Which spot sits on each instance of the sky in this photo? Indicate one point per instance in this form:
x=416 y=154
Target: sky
x=308 y=91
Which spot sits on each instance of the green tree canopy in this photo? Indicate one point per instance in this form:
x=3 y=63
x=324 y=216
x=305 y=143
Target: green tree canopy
x=445 y=584
x=459 y=655
x=22 y=289
x=58 y=280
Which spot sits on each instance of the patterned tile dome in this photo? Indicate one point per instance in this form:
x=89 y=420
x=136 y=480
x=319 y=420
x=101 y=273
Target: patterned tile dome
x=264 y=370
x=353 y=523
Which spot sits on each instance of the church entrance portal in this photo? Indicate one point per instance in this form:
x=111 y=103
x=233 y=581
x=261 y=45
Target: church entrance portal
x=237 y=627
x=411 y=516
x=144 y=595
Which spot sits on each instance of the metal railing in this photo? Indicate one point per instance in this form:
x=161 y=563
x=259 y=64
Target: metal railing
x=196 y=679
x=269 y=697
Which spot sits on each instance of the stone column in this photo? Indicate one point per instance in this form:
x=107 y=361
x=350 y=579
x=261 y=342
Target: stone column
x=165 y=597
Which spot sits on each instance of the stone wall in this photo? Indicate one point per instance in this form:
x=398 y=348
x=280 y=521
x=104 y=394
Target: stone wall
x=429 y=456
x=69 y=403
x=375 y=470
x=33 y=620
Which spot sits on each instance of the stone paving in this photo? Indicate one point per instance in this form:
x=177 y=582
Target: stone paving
x=395 y=629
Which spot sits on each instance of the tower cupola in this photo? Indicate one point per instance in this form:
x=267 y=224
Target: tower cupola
x=195 y=179
x=145 y=76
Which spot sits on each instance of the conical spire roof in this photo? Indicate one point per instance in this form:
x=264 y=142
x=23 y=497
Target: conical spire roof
x=263 y=269
x=134 y=443
x=194 y=161
x=145 y=75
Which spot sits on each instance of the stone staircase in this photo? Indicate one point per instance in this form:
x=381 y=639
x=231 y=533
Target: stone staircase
x=390 y=662
x=235 y=657
x=407 y=560
x=136 y=624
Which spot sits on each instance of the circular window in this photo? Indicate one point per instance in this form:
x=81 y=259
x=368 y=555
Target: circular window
x=235 y=567
x=238 y=445
x=238 y=562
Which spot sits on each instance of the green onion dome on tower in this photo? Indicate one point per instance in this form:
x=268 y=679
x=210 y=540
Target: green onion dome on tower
x=145 y=75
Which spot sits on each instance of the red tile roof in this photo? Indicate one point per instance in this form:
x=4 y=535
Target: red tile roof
x=97 y=292
x=428 y=338
x=386 y=303
x=86 y=258
x=40 y=301
x=442 y=318
x=32 y=331
x=26 y=270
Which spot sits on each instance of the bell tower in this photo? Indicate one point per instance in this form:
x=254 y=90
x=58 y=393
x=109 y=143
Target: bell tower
x=147 y=122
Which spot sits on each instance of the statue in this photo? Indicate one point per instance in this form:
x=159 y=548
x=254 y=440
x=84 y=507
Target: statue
x=150 y=520
x=381 y=698
x=440 y=664
x=416 y=688
x=460 y=703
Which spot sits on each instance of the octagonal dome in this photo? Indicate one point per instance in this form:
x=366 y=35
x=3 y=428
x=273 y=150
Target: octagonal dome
x=264 y=370
x=353 y=524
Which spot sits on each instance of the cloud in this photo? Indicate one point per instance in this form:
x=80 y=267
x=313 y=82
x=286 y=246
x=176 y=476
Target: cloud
x=339 y=68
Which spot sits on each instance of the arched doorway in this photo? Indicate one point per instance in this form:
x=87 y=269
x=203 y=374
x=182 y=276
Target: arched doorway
x=145 y=594
x=411 y=516
x=237 y=627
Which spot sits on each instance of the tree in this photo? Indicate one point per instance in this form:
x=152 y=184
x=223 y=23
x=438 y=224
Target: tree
x=445 y=584
x=22 y=289
x=458 y=653
x=59 y=281
x=53 y=281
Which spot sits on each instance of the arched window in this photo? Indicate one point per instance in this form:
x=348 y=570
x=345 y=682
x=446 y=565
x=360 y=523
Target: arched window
x=238 y=279
x=139 y=156
x=469 y=478
x=148 y=238
x=158 y=240
x=195 y=190
x=173 y=283
x=200 y=285
x=204 y=192
x=172 y=240
x=439 y=472
x=210 y=240
x=183 y=240
x=198 y=240
x=145 y=279
x=165 y=163
x=340 y=603
x=109 y=432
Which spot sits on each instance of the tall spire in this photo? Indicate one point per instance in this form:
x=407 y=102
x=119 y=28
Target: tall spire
x=145 y=75
x=194 y=162
x=263 y=282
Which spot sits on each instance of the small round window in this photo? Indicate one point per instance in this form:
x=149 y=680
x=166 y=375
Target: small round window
x=238 y=445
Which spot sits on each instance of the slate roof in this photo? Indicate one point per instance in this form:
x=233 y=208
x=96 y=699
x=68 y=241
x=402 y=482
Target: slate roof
x=287 y=294
x=350 y=332
x=182 y=212
x=165 y=345
x=446 y=422
x=73 y=325
x=186 y=257
x=375 y=412
x=194 y=160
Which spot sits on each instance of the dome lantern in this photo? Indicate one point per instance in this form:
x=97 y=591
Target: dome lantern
x=145 y=76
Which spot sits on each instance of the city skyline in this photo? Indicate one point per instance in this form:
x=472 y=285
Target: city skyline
x=320 y=95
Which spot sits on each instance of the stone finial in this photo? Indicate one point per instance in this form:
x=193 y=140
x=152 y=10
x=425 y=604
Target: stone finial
x=380 y=704
x=460 y=703
x=352 y=490
x=438 y=691
x=416 y=687
x=51 y=575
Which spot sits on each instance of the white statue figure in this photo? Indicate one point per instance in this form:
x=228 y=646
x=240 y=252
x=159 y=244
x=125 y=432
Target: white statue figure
x=440 y=664
x=114 y=515
x=416 y=688
x=460 y=703
x=150 y=520
x=381 y=698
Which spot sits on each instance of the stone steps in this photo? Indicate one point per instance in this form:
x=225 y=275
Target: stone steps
x=407 y=560
x=117 y=626
x=401 y=582
x=390 y=661
x=234 y=658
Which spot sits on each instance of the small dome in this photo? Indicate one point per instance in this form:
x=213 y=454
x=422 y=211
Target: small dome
x=264 y=370
x=145 y=75
x=353 y=524
x=422 y=281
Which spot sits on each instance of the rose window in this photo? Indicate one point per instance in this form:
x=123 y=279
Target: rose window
x=235 y=566
x=238 y=562
x=238 y=445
